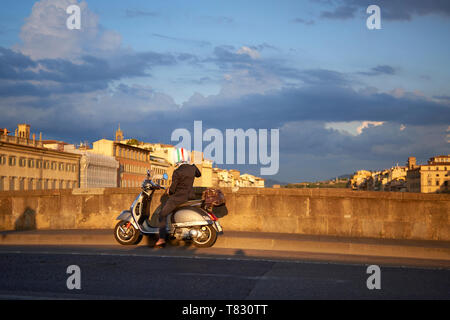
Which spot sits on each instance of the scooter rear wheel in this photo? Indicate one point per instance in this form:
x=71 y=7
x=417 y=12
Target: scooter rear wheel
x=126 y=236
x=208 y=238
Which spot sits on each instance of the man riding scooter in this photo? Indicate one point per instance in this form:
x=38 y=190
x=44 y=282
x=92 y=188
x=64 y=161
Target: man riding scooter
x=180 y=190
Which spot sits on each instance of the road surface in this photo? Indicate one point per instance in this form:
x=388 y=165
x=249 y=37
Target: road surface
x=115 y=272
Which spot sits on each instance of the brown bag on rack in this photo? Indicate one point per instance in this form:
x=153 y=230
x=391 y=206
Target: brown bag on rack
x=213 y=198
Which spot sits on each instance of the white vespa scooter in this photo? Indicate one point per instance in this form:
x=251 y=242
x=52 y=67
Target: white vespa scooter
x=189 y=221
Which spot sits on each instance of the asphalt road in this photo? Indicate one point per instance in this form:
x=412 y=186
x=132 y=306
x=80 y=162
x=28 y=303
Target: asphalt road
x=112 y=272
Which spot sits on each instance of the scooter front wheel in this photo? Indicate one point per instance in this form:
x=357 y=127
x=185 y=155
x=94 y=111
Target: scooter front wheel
x=126 y=234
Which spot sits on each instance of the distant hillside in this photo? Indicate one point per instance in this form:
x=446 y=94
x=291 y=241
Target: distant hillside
x=270 y=182
x=345 y=176
x=330 y=184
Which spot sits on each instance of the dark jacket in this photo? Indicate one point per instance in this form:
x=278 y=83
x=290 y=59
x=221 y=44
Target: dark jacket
x=182 y=182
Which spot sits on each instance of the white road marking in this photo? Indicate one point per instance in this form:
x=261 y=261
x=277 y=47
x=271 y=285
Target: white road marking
x=197 y=257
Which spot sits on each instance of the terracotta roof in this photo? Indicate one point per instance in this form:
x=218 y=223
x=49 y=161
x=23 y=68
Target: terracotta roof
x=54 y=142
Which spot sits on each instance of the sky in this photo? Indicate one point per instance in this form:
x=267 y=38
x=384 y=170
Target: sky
x=343 y=97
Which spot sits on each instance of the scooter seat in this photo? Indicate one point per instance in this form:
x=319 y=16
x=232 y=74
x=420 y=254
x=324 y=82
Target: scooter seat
x=191 y=203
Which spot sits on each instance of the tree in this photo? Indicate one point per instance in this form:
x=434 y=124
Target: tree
x=133 y=142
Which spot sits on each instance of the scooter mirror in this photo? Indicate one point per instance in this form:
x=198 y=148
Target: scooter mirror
x=165 y=176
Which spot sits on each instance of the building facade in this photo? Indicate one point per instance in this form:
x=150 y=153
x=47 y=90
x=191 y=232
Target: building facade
x=96 y=170
x=159 y=166
x=133 y=161
x=222 y=178
x=360 y=180
x=429 y=178
x=233 y=178
x=26 y=165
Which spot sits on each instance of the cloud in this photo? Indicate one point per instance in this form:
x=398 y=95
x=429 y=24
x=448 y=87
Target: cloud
x=45 y=34
x=443 y=98
x=22 y=75
x=223 y=55
x=14 y=65
x=246 y=60
x=379 y=146
x=263 y=46
x=399 y=10
x=300 y=112
x=254 y=54
x=379 y=70
x=367 y=124
x=323 y=77
x=341 y=12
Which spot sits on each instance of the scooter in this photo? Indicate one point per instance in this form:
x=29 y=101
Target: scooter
x=190 y=221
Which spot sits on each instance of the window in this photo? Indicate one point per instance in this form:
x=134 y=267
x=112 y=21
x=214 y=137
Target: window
x=53 y=165
x=12 y=161
x=67 y=167
x=12 y=183
x=74 y=168
x=2 y=159
x=39 y=164
x=61 y=166
x=22 y=162
x=30 y=163
x=46 y=164
x=437 y=183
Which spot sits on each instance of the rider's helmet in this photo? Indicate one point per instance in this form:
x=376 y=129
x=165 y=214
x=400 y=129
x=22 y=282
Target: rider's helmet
x=181 y=156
